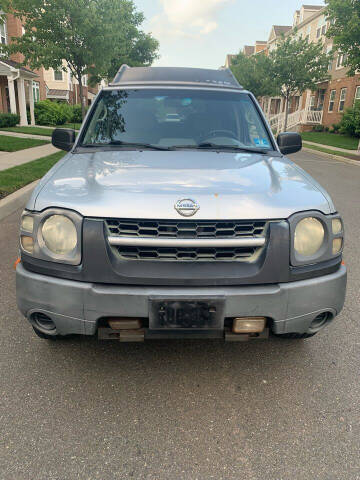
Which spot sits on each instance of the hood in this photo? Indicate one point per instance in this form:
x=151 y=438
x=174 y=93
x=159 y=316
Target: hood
x=134 y=184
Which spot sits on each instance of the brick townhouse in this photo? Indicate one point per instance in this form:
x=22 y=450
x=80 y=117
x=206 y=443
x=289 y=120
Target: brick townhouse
x=328 y=102
x=21 y=87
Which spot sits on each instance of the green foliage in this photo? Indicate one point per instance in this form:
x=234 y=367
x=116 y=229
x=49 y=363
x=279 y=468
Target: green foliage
x=345 y=30
x=335 y=128
x=76 y=114
x=298 y=65
x=92 y=36
x=8 y=120
x=50 y=113
x=318 y=128
x=253 y=74
x=350 y=122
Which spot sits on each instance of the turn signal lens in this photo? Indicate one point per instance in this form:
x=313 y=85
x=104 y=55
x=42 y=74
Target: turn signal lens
x=337 y=245
x=27 y=244
x=27 y=224
x=337 y=226
x=249 y=325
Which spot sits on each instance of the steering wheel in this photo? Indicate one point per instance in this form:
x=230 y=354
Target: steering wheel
x=219 y=133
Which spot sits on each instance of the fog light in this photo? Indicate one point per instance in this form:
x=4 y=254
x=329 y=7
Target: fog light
x=337 y=245
x=249 y=325
x=27 y=244
x=337 y=226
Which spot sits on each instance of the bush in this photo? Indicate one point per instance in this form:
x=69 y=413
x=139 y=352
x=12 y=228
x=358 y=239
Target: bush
x=50 y=113
x=9 y=120
x=77 y=114
x=335 y=128
x=350 y=123
x=318 y=128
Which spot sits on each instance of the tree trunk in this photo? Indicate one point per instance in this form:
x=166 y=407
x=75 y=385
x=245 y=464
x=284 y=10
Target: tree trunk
x=81 y=91
x=286 y=113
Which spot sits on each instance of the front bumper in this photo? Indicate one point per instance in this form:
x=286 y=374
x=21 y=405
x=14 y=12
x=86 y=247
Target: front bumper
x=77 y=307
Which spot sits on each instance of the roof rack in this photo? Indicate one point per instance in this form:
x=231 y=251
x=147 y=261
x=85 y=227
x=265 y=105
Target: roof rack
x=196 y=77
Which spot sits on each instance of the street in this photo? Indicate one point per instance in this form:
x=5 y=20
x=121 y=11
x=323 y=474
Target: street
x=277 y=410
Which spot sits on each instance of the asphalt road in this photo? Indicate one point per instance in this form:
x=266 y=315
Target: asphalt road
x=278 y=410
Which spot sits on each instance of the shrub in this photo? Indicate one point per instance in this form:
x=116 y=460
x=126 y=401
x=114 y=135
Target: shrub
x=335 y=128
x=50 y=113
x=318 y=128
x=350 y=123
x=9 y=120
x=77 y=114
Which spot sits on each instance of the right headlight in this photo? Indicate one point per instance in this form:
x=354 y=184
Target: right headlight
x=53 y=235
x=315 y=237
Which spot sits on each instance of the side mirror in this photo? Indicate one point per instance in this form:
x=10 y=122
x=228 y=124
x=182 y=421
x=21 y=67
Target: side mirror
x=289 y=142
x=63 y=138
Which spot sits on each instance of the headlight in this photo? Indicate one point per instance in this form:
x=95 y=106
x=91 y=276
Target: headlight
x=309 y=237
x=315 y=238
x=53 y=235
x=59 y=234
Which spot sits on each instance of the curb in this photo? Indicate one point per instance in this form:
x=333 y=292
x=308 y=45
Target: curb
x=333 y=157
x=16 y=200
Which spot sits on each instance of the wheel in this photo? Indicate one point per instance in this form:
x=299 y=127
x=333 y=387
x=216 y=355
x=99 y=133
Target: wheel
x=44 y=336
x=295 y=336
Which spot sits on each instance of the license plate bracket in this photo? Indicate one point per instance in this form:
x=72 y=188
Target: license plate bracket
x=186 y=313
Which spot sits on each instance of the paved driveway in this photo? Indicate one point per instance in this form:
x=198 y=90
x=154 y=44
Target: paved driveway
x=279 y=410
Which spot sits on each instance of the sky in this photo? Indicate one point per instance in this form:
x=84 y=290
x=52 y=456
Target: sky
x=200 y=33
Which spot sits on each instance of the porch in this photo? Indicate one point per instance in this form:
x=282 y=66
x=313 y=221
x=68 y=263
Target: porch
x=16 y=90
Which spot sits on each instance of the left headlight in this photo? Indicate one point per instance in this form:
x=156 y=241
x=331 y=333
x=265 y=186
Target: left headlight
x=315 y=237
x=52 y=235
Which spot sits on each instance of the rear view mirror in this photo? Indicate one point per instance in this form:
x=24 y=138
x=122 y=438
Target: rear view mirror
x=64 y=138
x=289 y=142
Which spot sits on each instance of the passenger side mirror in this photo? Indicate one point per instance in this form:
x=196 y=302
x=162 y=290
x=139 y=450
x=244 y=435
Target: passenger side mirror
x=289 y=142
x=64 y=138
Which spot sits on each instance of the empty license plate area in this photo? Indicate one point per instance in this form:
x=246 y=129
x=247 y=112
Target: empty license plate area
x=186 y=314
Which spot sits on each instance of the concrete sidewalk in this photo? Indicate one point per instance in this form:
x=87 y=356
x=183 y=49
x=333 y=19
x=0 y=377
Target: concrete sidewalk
x=25 y=135
x=329 y=147
x=8 y=160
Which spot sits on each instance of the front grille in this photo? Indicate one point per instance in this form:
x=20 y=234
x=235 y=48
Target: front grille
x=187 y=230
x=184 y=229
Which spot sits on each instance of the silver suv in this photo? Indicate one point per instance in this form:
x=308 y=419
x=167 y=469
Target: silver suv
x=175 y=214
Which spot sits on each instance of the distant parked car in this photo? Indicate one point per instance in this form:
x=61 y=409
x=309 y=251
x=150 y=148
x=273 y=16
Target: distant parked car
x=199 y=228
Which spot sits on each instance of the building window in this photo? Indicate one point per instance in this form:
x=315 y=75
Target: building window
x=3 y=35
x=357 y=94
x=58 y=75
x=322 y=27
x=36 y=91
x=312 y=102
x=342 y=99
x=332 y=100
x=321 y=99
x=341 y=59
x=84 y=80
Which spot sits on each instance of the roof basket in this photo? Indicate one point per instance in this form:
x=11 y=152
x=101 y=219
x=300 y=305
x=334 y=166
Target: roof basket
x=132 y=76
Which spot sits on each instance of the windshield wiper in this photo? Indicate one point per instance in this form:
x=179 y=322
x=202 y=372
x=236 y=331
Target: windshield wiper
x=216 y=146
x=127 y=144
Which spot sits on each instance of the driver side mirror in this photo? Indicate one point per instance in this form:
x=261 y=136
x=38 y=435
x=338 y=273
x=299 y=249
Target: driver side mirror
x=289 y=142
x=64 y=138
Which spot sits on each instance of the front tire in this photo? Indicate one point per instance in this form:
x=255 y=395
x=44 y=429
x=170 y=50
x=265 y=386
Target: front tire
x=44 y=336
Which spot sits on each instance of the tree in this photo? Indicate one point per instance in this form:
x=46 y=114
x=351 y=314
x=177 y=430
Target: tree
x=296 y=66
x=88 y=34
x=253 y=74
x=344 y=16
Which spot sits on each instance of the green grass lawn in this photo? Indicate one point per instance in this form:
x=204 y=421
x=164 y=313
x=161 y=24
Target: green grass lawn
x=332 y=139
x=75 y=126
x=13 y=144
x=332 y=152
x=17 y=177
x=30 y=130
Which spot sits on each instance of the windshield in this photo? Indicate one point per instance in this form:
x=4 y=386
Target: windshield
x=170 y=118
